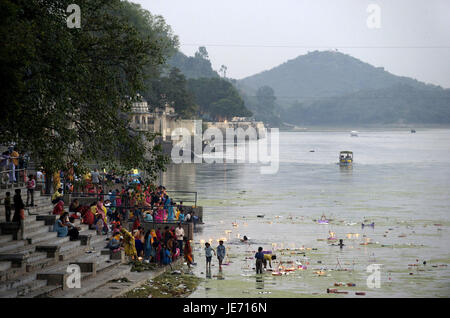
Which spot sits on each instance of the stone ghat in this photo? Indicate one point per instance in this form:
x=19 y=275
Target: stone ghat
x=37 y=266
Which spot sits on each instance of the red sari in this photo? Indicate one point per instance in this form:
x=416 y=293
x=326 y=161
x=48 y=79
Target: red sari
x=59 y=208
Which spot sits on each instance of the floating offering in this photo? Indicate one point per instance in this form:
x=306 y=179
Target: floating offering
x=277 y=273
x=322 y=221
x=320 y=273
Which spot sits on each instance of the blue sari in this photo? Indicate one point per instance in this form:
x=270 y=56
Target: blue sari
x=60 y=229
x=149 y=250
x=166 y=257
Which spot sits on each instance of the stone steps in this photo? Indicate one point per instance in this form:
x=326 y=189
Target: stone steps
x=5 y=238
x=17 y=282
x=46 y=209
x=31 y=225
x=89 y=281
x=11 y=273
x=5 y=265
x=40 y=261
x=36 y=257
x=44 y=274
x=24 y=289
x=36 y=232
x=46 y=236
x=11 y=246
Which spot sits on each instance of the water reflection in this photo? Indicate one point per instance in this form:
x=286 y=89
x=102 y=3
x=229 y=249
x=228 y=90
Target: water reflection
x=260 y=281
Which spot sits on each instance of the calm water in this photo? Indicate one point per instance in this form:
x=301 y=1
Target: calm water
x=400 y=181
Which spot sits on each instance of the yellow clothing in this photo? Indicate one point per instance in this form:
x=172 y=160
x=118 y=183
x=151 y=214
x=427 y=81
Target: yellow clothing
x=153 y=236
x=268 y=257
x=128 y=243
x=56 y=195
x=56 y=180
x=15 y=158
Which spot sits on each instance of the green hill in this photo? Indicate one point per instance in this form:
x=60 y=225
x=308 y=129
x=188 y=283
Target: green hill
x=312 y=87
x=399 y=104
x=197 y=66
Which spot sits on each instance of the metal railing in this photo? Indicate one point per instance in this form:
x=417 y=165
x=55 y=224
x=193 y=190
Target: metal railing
x=13 y=176
x=176 y=196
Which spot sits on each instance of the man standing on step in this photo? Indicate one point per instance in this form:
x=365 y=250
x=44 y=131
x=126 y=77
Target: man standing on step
x=31 y=185
x=95 y=175
x=179 y=233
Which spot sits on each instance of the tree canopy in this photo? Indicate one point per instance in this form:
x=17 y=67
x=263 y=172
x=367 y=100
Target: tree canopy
x=217 y=98
x=197 y=66
x=69 y=89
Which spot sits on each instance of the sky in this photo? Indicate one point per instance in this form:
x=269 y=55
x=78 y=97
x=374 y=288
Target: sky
x=406 y=37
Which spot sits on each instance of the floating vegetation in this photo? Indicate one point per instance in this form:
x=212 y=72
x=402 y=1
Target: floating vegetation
x=138 y=266
x=166 y=286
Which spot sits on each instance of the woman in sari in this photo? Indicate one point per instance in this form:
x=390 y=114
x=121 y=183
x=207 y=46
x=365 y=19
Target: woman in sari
x=60 y=226
x=171 y=214
x=158 y=234
x=149 y=253
x=59 y=208
x=158 y=251
x=188 y=253
x=101 y=221
x=75 y=209
x=159 y=215
x=167 y=259
x=89 y=217
x=136 y=224
x=138 y=242
x=128 y=244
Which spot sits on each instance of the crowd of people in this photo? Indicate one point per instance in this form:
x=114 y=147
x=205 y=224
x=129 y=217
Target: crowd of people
x=137 y=204
x=12 y=165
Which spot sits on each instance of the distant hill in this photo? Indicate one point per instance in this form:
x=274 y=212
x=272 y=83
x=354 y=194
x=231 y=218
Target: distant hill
x=318 y=84
x=398 y=104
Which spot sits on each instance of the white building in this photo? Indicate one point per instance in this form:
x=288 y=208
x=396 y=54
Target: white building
x=161 y=120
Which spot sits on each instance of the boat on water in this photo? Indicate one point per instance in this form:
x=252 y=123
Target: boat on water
x=346 y=158
x=354 y=133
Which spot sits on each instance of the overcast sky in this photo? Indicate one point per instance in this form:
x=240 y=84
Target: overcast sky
x=249 y=36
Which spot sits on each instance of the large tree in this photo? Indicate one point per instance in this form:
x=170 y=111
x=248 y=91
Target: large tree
x=68 y=90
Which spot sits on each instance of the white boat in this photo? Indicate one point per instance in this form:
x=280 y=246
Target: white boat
x=354 y=133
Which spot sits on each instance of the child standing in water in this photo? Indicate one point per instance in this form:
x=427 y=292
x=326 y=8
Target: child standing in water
x=259 y=260
x=208 y=253
x=220 y=253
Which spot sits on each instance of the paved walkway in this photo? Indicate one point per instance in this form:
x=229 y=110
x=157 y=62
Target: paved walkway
x=135 y=279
